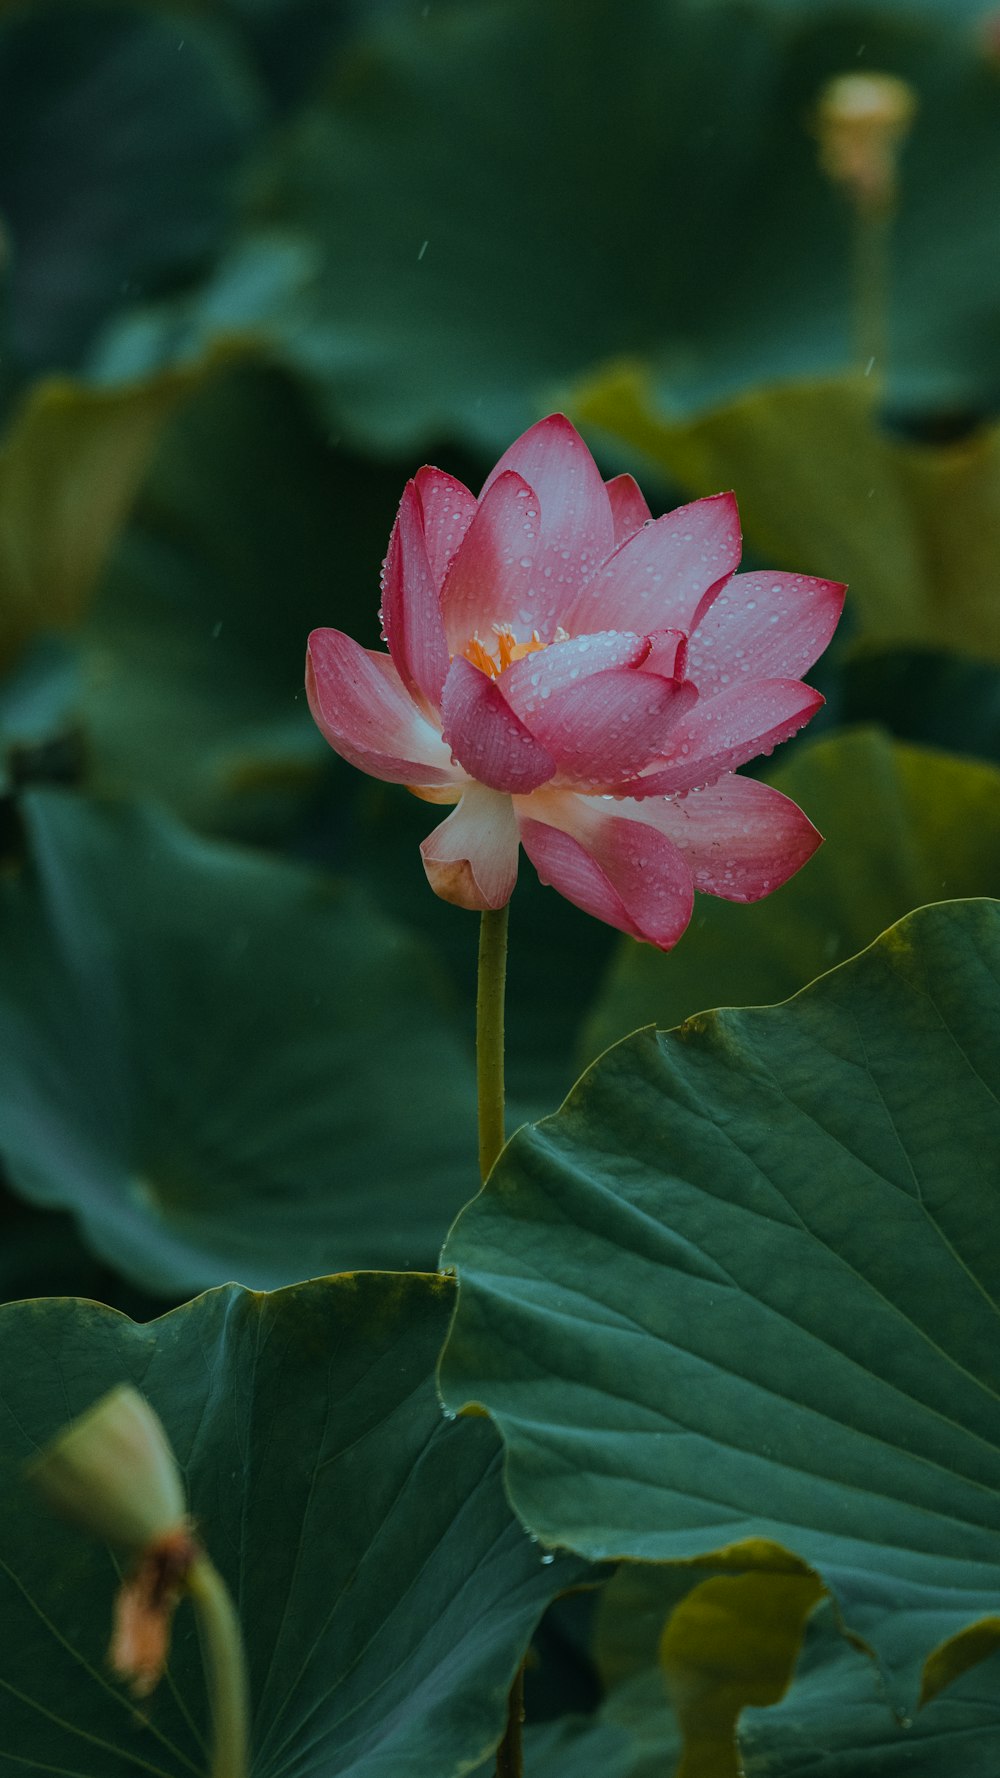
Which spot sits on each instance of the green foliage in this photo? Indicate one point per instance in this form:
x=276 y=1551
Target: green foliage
x=69 y=468
x=944 y=700
x=823 y=486
x=659 y=195
x=124 y=132
x=732 y=1642
x=692 y=1644
x=225 y=1067
x=768 y=1296
x=733 y=1308
x=902 y=826
x=633 y=1735
x=381 y=1637
x=41 y=1254
x=839 y=1706
x=248 y=532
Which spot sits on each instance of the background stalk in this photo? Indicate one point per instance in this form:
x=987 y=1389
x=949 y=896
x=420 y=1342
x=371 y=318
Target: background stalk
x=872 y=231
x=862 y=121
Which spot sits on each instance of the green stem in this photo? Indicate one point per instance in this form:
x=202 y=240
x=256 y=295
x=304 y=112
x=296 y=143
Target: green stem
x=489 y=1034
x=225 y=1668
x=489 y=1073
x=509 y=1757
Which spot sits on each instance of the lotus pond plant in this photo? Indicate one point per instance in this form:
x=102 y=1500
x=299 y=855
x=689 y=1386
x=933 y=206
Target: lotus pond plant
x=665 y=1442
x=583 y=680
x=572 y=676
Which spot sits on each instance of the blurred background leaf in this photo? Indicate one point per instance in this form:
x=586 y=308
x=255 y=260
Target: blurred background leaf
x=663 y=199
x=249 y=530
x=70 y=465
x=126 y=131
x=943 y=700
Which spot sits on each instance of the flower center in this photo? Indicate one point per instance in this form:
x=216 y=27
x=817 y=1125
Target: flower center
x=502 y=648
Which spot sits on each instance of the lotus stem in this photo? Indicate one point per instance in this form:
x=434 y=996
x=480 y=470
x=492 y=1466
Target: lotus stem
x=489 y=1034
x=492 y=1135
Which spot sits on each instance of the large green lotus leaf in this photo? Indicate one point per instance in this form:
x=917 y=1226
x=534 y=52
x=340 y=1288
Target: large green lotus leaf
x=70 y=464
x=662 y=197
x=823 y=488
x=836 y=1721
x=223 y=1066
x=744 y=1285
x=944 y=700
x=385 y=1590
x=124 y=133
x=248 y=532
x=903 y=825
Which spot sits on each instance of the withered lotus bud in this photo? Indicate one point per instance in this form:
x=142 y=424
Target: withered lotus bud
x=861 y=121
x=113 y=1472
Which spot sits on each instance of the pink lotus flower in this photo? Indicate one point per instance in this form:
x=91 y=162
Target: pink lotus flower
x=581 y=680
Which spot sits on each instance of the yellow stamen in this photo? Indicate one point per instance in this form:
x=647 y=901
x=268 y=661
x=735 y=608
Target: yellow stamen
x=476 y=653
x=515 y=651
x=508 y=649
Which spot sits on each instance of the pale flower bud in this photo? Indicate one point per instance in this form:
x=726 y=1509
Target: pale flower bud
x=861 y=121
x=113 y=1472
